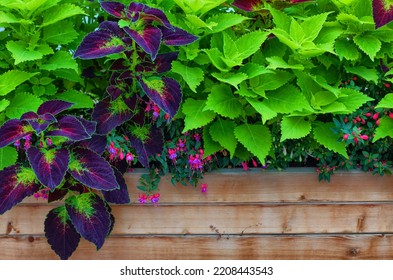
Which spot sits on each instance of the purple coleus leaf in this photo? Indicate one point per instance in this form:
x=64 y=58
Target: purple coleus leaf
x=90 y=126
x=16 y=183
x=138 y=11
x=50 y=166
x=99 y=43
x=382 y=12
x=176 y=37
x=109 y=114
x=151 y=146
x=149 y=39
x=248 y=5
x=115 y=9
x=38 y=122
x=161 y=64
x=96 y=143
x=61 y=233
x=163 y=91
x=53 y=107
x=113 y=27
x=13 y=130
x=92 y=170
x=70 y=127
x=120 y=196
x=90 y=217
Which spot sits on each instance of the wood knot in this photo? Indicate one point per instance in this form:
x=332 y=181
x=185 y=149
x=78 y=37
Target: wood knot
x=302 y=197
x=30 y=239
x=354 y=252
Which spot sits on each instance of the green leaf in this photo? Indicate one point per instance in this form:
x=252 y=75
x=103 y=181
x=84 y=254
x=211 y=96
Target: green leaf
x=60 y=60
x=272 y=80
x=193 y=76
x=369 y=74
x=222 y=101
x=80 y=100
x=253 y=70
x=369 y=44
x=323 y=98
x=13 y=78
x=296 y=32
x=211 y=147
x=266 y=112
x=222 y=131
x=285 y=100
x=312 y=26
x=280 y=19
x=233 y=79
x=347 y=49
x=353 y=99
x=278 y=62
x=294 y=128
x=385 y=129
x=216 y=57
x=249 y=43
x=256 y=139
x=63 y=36
x=196 y=116
x=60 y=12
x=8 y=18
x=4 y=104
x=22 y=103
x=386 y=102
x=325 y=136
x=8 y=157
x=222 y=21
x=20 y=52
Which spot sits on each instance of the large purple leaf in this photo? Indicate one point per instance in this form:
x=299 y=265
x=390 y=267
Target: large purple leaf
x=92 y=170
x=149 y=39
x=53 y=107
x=108 y=116
x=49 y=166
x=161 y=64
x=96 y=143
x=113 y=27
x=163 y=91
x=70 y=127
x=99 y=43
x=16 y=183
x=13 y=130
x=90 y=217
x=152 y=146
x=248 y=5
x=61 y=233
x=120 y=196
x=90 y=126
x=176 y=37
x=139 y=11
x=38 y=122
x=382 y=12
x=116 y=9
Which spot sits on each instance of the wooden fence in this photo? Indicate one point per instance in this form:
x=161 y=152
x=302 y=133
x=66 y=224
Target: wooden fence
x=244 y=215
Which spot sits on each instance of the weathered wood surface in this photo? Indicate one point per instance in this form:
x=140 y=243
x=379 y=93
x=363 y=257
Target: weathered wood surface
x=211 y=247
x=244 y=215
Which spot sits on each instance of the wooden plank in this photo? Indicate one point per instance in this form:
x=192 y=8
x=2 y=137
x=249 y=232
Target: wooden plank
x=209 y=247
x=226 y=219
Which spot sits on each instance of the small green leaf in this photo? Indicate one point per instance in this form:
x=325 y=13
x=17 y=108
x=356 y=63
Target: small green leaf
x=233 y=79
x=285 y=100
x=256 y=139
x=8 y=157
x=323 y=98
x=385 y=129
x=79 y=99
x=211 y=147
x=222 y=21
x=312 y=26
x=193 y=76
x=272 y=80
x=266 y=112
x=222 y=131
x=296 y=32
x=369 y=74
x=386 y=102
x=196 y=116
x=347 y=49
x=222 y=101
x=8 y=18
x=4 y=104
x=63 y=36
x=249 y=43
x=368 y=44
x=21 y=53
x=325 y=136
x=278 y=62
x=60 y=12
x=353 y=99
x=13 y=78
x=22 y=103
x=294 y=128
x=216 y=57
x=60 y=60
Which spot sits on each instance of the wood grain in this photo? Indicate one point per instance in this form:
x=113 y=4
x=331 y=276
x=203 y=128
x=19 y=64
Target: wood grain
x=229 y=219
x=210 y=247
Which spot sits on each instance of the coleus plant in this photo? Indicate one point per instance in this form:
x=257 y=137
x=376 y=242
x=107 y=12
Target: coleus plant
x=132 y=42
x=62 y=153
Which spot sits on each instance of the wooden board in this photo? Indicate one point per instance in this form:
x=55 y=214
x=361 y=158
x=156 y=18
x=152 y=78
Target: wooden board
x=210 y=247
x=228 y=219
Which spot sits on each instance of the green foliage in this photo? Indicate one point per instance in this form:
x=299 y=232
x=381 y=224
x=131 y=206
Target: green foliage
x=8 y=157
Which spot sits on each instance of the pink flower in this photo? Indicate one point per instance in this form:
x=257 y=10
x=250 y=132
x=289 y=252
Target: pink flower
x=172 y=154
x=204 y=188
x=154 y=198
x=129 y=158
x=364 y=137
x=245 y=166
x=375 y=116
x=142 y=198
x=346 y=136
x=49 y=141
x=121 y=154
x=254 y=163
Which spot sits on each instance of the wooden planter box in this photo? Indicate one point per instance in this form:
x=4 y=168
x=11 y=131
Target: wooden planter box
x=245 y=215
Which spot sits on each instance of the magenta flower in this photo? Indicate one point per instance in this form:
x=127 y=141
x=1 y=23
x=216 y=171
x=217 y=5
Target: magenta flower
x=154 y=198
x=129 y=158
x=142 y=198
x=204 y=188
